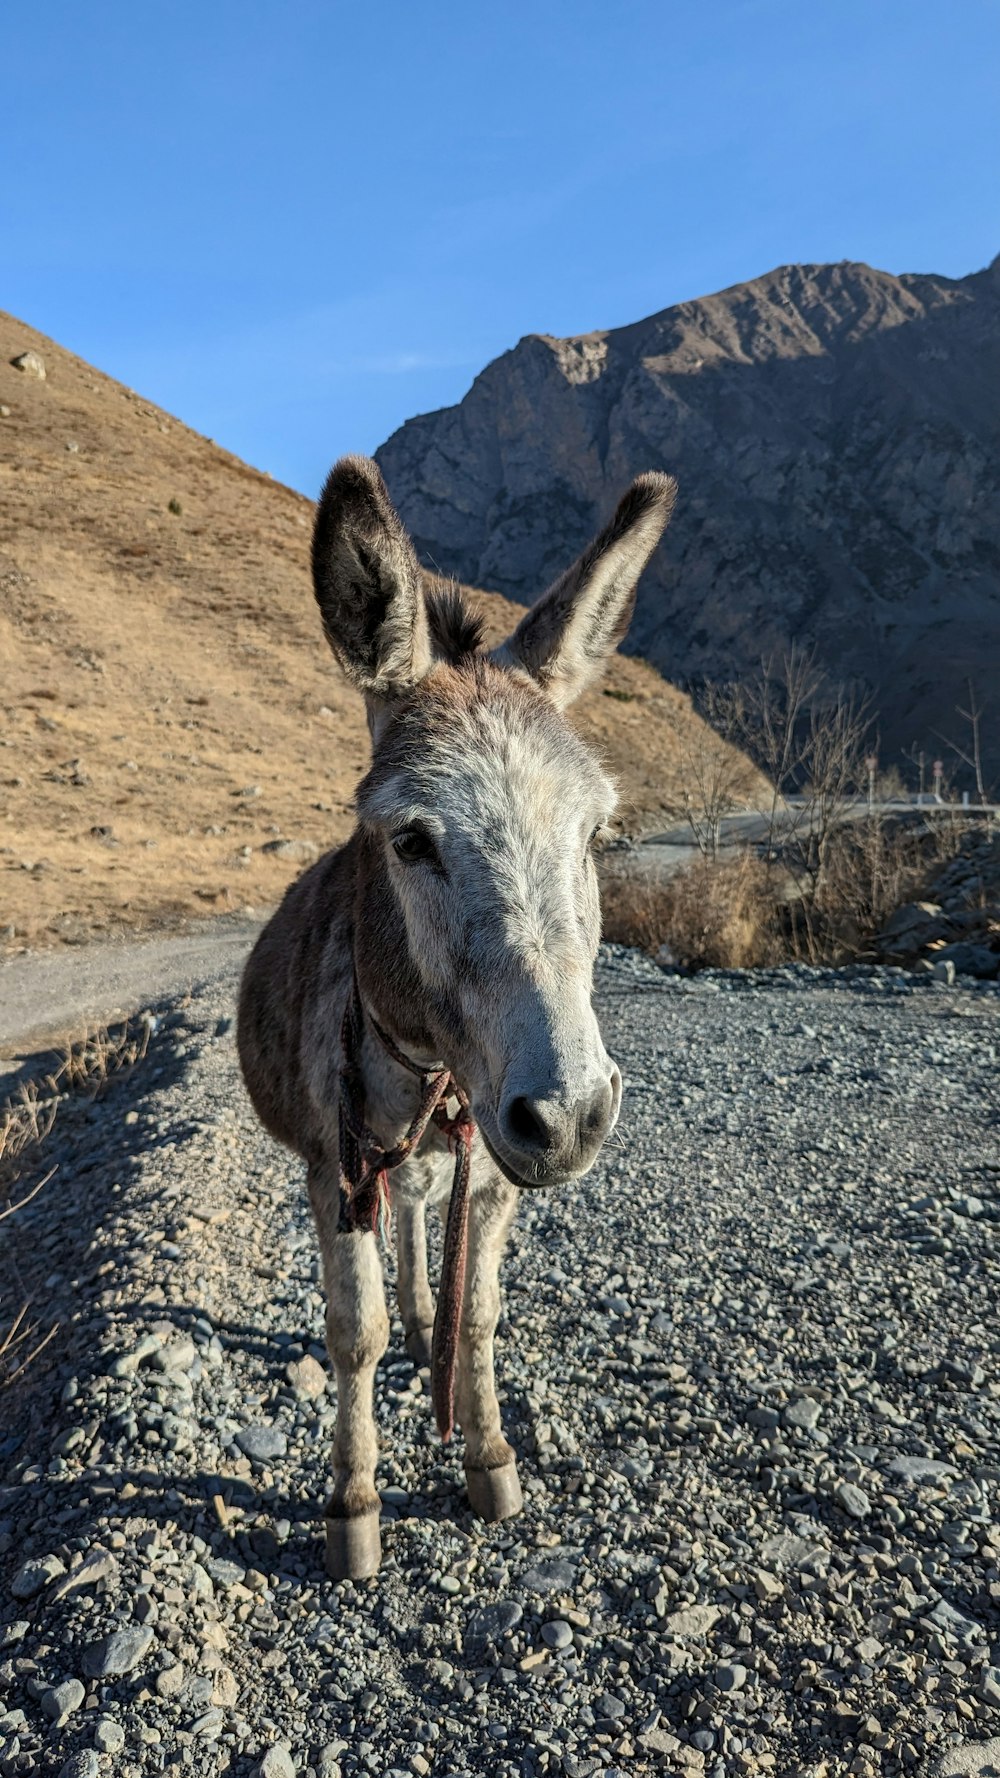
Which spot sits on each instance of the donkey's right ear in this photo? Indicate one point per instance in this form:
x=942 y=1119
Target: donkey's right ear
x=367 y=583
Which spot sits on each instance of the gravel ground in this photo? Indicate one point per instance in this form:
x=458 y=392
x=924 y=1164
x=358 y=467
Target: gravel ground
x=750 y=1365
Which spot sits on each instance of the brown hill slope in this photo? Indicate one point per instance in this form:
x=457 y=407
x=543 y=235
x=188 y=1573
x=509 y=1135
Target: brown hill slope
x=835 y=431
x=167 y=705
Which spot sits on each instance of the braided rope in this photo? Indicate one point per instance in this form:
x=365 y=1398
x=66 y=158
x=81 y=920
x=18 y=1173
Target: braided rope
x=364 y=1183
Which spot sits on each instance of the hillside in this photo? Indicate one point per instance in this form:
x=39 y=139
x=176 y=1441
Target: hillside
x=169 y=707
x=836 y=434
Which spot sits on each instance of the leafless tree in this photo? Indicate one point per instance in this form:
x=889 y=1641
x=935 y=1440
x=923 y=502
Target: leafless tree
x=771 y=717
x=718 y=777
x=971 y=753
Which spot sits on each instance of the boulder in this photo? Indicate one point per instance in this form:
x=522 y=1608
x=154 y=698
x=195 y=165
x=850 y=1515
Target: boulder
x=32 y=364
x=970 y=959
x=913 y=917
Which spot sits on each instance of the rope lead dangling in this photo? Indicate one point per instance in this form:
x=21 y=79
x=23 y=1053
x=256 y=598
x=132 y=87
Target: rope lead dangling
x=364 y=1183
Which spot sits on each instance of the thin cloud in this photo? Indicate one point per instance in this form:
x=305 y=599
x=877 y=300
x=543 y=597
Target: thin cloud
x=394 y=364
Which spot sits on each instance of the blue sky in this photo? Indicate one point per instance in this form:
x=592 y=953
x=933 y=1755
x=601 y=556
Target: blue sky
x=294 y=225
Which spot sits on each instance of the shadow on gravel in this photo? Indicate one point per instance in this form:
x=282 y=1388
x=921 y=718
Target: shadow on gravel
x=55 y=1254
x=59 y=1256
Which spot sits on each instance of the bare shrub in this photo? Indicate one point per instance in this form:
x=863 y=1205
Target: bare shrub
x=891 y=786
x=721 y=915
x=874 y=865
x=742 y=911
x=711 y=914
x=85 y=1066
x=832 y=862
x=717 y=776
x=970 y=751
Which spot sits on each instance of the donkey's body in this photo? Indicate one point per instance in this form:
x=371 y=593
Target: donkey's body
x=465 y=909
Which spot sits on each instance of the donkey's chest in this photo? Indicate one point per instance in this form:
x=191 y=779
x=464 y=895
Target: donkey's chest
x=427 y=1177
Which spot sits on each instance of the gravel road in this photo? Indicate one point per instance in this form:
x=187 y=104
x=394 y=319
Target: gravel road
x=750 y=1364
x=50 y=993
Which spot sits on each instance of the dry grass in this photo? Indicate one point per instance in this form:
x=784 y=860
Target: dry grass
x=709 y=915
x=873 y=866
x=85 y=1066
x=741 y=912
x=720 y=916
x=167 y=703
x=24 y=1124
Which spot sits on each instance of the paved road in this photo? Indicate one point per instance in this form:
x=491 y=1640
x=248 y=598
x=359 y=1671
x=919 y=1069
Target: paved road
x=675 y=846
x=48 y=995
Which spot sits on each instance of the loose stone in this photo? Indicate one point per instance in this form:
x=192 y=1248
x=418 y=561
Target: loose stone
x=33 y=1576
x=109 y=1736
x=60 y=1701
x=118 y=1653
x=262 y=1444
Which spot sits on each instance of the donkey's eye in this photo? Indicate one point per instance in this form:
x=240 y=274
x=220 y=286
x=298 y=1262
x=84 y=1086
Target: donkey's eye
x=413 y=844
x=598 y=834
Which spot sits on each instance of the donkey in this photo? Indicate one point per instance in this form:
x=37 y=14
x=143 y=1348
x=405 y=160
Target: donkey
x=421 y=1000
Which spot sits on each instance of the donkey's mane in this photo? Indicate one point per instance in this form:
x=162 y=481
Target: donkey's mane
x=456 y=630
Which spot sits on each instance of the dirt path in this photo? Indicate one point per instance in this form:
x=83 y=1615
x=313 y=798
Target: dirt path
x=52 y=994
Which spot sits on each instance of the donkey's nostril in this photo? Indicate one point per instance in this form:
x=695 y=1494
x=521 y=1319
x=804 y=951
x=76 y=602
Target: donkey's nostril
x=527 y=1125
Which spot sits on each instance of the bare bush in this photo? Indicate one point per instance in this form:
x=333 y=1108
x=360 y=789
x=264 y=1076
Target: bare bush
x=717 y=776
x=711 y=914
x=85 y=1066
x=970 y=750
x=833 y=861
x=873 y=866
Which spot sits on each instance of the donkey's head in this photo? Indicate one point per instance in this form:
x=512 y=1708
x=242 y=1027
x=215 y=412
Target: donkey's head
x=478 y=918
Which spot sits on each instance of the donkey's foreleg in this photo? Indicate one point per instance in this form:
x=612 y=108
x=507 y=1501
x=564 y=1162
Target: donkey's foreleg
x=416 y=1305
x=357 y=1333
x=490 y=1465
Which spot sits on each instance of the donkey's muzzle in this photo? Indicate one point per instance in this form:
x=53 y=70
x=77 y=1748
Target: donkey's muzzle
x=548 y=1140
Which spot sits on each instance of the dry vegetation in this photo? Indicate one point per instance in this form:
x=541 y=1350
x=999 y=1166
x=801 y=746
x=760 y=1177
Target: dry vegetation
x=713 y=914
x=830 y=866
x=168 y=706
x=747 y=911
x=85 y=1066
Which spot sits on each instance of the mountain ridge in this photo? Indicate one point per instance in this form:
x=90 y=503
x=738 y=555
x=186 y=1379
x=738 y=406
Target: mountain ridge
x=836 y=444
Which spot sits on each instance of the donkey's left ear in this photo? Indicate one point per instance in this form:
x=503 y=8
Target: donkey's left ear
x=565 y=640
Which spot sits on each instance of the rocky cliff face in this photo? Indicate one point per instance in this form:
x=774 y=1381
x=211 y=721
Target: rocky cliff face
x=836 y=434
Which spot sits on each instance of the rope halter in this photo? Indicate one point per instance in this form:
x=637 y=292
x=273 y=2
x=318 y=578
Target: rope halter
x=365 y=1166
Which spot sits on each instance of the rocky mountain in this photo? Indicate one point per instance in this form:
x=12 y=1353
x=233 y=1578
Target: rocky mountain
x=836 y=434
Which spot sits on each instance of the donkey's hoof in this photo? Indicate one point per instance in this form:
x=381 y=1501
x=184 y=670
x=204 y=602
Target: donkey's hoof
x=353 y=1547
x=494 y=1493
x=418 y=1345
